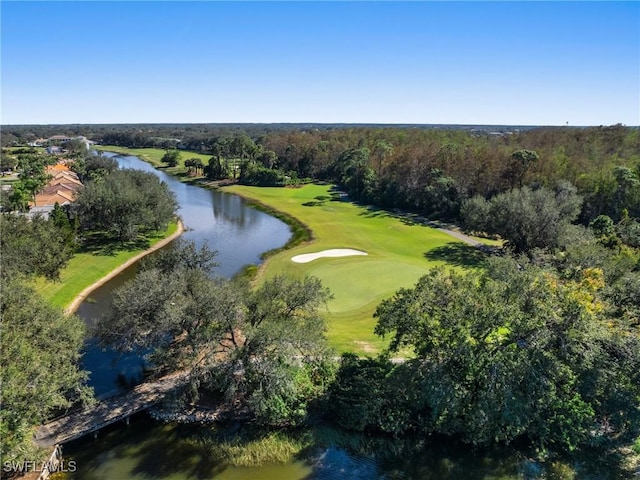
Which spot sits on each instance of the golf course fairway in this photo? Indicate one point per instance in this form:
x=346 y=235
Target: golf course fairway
x=398 y=253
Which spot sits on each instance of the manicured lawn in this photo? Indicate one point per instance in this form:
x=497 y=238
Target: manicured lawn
x=399 y=252
x=154 y=155
x=84 y=269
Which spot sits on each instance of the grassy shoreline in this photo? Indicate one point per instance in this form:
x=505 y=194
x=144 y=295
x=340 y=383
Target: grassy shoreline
x=399 y=253
x=85 y=271
x=153 y=156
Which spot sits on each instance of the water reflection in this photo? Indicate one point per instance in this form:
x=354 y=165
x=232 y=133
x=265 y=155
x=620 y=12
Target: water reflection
x=238 y=233
x=334 y=463
x=146 y=450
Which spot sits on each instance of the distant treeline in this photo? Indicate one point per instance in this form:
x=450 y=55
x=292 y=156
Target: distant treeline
x=147 y=134
x=427 y=169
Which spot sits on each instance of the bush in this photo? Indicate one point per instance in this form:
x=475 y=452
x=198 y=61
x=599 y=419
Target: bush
x=260 y=176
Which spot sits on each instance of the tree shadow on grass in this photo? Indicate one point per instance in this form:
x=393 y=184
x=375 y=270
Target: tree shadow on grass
x=406 y=218
x=458 y=254
x=371 y=211
x=100 y=243
x=321 y=200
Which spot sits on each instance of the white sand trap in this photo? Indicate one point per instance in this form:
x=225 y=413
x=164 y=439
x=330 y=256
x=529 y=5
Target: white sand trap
x=334 y=252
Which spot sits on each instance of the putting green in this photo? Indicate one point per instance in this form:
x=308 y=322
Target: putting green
x=399 y=252
x=363 y=280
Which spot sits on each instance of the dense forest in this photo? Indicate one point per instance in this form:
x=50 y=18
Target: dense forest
x=431 y=171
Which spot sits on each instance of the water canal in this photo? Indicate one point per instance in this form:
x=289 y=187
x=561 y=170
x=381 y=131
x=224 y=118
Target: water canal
x=148 y=450
x=226 y=223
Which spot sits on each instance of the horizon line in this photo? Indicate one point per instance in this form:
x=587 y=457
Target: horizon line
x=323 y=124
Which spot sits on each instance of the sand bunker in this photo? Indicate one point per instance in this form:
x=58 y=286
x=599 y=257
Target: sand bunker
x=335 y=252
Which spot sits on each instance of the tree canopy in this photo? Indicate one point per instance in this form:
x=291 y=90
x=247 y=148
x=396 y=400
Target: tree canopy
x=94 y=167
x=527 y=218
x=257 y=348
x=515 y=351
x=35 y=245
x=601 y=161
x=30 y=166
x=171 y=157
x=126 y=203
x=39 y=354
x=217 y=169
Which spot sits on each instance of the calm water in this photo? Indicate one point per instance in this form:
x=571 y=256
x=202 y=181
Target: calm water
x=238 y=233
x=146 y=450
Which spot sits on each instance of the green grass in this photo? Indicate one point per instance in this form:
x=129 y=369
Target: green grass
x=84 y=269
x=154 y=155
x=273 y=447
x=400 y=250
x=399 y=253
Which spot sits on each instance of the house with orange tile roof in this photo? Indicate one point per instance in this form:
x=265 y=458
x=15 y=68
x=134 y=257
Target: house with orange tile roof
x=61 y=166
x=65 y=177
x=49 y=198
x=61 y=189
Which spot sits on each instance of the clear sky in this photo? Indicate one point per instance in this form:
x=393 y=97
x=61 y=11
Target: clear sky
x=539 y=63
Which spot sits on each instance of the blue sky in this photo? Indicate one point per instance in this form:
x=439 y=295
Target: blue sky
x=538 y=63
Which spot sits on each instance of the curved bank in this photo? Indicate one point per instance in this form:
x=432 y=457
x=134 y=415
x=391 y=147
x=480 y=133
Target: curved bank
x=73 y=306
